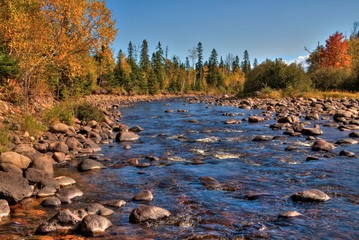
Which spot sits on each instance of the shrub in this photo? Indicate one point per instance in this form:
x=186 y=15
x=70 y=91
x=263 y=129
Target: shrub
x=62 y=112
x=86 y=112
x=32 y=125
x=277 y=75
x=4 y=139
x=332 y=78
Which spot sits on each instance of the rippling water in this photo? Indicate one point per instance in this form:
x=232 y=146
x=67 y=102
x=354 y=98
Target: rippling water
x=258 y=178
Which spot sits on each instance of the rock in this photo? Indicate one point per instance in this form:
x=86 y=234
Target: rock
x=346 y=153
x=94 y=208
x=67 y=194
x=342 y=115
x=106 y=212
x=44 y=163
x=209 y=182
x=65 y=181
x=89 y=164
x=136 y=129
x=312 y=195
x=322 y=145
x=14 y=188
x=41 y=147
x=115 y=203
x=144 y=213
x=289 y=214
x=312 y=131
x=11 y=168
x=4 y=208
x=354 y=134
x=233 y=121
x=59 y=147
x=289 y=119
x=311 y=158
x=51 y=201
x=16 y=159
x=346 y=141
x=312 y=116
x=26 y=150
x=94 y=224
x=49 y=181
x=127 y=136
x=59 y=128
x=73 y=144
x=63 y=221
x=34 y=175
x=47 y=191
x=262 y=138
x=143 y=196
x=255 y=119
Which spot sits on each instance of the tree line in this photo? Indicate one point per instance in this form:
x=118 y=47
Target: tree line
x=63 y=48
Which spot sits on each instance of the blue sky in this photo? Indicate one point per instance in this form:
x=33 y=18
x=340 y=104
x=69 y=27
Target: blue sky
x=266 y=28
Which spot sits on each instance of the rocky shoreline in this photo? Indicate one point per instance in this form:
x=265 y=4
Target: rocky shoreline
x=29 y=170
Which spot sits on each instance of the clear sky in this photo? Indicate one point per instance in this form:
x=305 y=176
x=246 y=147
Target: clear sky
x=266 y=28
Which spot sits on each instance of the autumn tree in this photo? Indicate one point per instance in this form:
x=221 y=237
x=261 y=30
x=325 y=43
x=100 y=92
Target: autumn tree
x=335 y=53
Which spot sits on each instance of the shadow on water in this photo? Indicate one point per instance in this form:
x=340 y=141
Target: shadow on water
x=256 y=178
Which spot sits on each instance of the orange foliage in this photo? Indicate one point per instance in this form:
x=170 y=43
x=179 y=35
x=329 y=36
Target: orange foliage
x=335 y=54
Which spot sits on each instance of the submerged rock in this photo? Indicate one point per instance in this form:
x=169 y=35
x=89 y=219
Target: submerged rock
x=311 y=195
x=144 y=213
x=127 y=136
x=89 y=164
x=13 y=187
x=322 y=145
x=209 y=182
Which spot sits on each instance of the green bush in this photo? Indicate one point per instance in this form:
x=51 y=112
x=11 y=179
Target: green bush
x=86 y=112
x=331 y=78
x=277 y=75
x=62 y=112
x=32 y=125
x=4 y=139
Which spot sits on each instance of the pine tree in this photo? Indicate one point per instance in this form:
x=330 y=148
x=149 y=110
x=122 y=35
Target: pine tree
x=212 y=76
x=246 y=64
x=199 y=66
x=145 y=68
x=255 y=63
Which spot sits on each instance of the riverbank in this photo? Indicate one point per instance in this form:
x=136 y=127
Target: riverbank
x=75 y=147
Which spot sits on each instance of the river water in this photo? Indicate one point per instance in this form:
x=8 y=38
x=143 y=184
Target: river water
x=258 y=178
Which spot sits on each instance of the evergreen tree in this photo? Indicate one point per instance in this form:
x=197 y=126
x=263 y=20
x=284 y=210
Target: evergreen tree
x=158 y=66
x=235 y=64
x=246 y=64
x=212 y=76
x=255 y=63
x=130 y=50
x=145 y=67
x=199 y=66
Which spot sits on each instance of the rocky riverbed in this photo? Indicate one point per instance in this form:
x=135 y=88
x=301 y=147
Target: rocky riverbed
x=195 y=168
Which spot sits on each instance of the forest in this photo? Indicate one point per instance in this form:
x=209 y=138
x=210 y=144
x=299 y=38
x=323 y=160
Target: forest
x=69 y=54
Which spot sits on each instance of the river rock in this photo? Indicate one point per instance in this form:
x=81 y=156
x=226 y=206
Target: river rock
x=209 y=182
x=136 y=129
x=89 y=164
x=16 y=159
x=144 y=213
x=341 y=116
x=27 y=150
x=288 y=119
x=348 y=141
x=255 y=119
x=94 y=208
x=127 y=136
x=34 y=175
x=143 y=196
x=233 y=121
x=354 y=134
x=63 y=221
x=346 y=153
x=14 y=188
x=4 y=208
x=262 y=138
x=65 y=181
x=312 y=116
x=59 y=128
x=73 y=143
x=94 y=224
x=47 y=191
x=44 y=163
x=311 y=195
x=322 y=145
x=312 y=131
x=59 y=147
x=51 y=202
x=67 y=194
x=106 y=212
x=114 y=203
x=289 y=214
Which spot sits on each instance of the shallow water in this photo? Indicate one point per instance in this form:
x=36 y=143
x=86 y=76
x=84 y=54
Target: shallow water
x=258 y=178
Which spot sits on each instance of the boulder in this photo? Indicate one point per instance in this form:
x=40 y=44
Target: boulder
x=354 y=134
x=322 y=145
x=14 y=188
x=63 y=221
x=34 y=175
x=346 y=141
x=59 y=128
x=59 y=147
x=59 y=157
x=114 y=203
x=262 y=138
x=289 y=119
x=143 y=196
x=11 y=168
x=144 y=213
x=72 y=143
x=89 y=164
x=312 y=131
x=67 y=194
x=16 y=159
x=346 y=153
x=47 y=191
x=94 y=224
x=4 y=208
x=311 y=195
x=51 y=202
x=127 y=136
x=94 y=208
x=136 y=129
x=26 y=150
x=255 y=119
x=65 y=181
x=44 y=163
